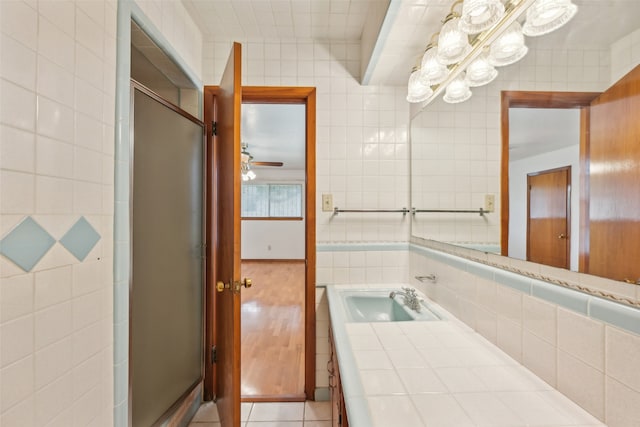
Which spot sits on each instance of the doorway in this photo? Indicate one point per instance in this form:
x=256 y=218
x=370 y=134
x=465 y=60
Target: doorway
x=548 y=217
x=510 y=230
x=273 y=251
x=222 y=108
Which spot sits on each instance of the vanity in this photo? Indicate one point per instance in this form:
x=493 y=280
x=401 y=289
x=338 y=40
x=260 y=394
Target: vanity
x=391 y=365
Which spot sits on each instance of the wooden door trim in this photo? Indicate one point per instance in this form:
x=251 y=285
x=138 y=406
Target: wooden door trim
x=537 y=99
x=307 y=96
x=222 y=104
x=209 y=114
x=585 y=159
x=567 y=194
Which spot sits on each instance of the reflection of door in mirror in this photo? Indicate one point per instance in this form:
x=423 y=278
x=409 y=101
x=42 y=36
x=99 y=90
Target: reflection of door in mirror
x=614 y=208
x=541 y=131
x=542 y=139
x=548 y=217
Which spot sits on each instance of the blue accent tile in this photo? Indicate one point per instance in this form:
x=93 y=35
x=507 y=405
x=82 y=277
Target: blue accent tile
x=483 y=271
x=619 y=315
x=360 y=247
x=514 y=281
x=121 y=345
x=80 y=239
x=121 y=388
x=564 y=297
x=121 y=415
x=26 y=244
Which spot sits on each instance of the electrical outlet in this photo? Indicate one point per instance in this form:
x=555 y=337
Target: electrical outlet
x=489 y=202
x=327 y=202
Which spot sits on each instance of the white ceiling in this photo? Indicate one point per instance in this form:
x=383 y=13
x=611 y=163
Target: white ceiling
x=408 y=25
x=534 y=131
x=403 y=35
x=275 y=133
x=285 y=19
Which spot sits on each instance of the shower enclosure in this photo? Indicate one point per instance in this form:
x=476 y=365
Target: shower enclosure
x=167 y=259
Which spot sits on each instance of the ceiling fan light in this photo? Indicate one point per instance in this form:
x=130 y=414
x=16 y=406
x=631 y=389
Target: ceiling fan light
x=480 y=72
x=509 y=47
x=479 y=15
x=453 y=44
x=251 y=174
x=457 y=91
x=545 y=16
x=417 y=90
x=432 y=72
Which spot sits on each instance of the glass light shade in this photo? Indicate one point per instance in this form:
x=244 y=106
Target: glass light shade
x=453 y=44
x=545 y=16
x=417 y=90
x=251 y=174
x=457 y=91
x=509 y=47
x=480 y=72
x=432 y=72
x=479 y=15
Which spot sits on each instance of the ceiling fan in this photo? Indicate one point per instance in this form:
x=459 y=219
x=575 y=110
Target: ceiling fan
x=246 y=161
x=247 y=158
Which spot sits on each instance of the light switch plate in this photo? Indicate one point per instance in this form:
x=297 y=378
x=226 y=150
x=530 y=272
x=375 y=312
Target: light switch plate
x=327 y=202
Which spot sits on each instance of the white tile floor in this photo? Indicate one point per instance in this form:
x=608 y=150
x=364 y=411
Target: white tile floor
x=268 y=414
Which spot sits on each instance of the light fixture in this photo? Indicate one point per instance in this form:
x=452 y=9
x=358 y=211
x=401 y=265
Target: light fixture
x=432 y=72
x=475 y=55
x=545 y=16
x=457 y=91
x=417 y=90
x=453 y=43
x=245 y=164
x=479 y=15
x=509 y=47
x=480 y=72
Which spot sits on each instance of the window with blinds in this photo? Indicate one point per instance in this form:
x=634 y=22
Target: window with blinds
x=272 y=200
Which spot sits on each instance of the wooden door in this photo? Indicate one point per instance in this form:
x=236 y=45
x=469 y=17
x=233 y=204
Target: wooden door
x=225 y=174
x=614 y=175
x=548 y=217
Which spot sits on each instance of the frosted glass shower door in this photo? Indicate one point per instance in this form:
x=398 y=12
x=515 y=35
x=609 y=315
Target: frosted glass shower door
x=167 y=257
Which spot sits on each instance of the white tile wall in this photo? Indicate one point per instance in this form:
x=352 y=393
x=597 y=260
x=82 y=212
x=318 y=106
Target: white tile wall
x=456 y=148
x=589 y=361
x=361 y=132
x=625 y=55
x=58 y=94
x=177 y=26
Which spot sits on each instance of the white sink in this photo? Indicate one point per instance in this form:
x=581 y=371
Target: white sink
x=376 y=306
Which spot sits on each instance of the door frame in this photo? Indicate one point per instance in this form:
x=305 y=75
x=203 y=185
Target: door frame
x=567 y=195
x=210 y=94
x=539 y=99
x=306 y=96
x=272 y=95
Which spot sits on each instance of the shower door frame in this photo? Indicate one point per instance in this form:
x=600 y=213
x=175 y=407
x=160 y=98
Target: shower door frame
x=135 y=85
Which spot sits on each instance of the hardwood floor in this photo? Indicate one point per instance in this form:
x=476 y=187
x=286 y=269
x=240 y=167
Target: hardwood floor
x=272 y=360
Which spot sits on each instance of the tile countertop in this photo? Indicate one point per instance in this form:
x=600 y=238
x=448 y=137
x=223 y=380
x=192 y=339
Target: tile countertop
x=438 y=374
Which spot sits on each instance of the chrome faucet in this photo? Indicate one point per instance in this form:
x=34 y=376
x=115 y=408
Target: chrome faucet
x=410 y=298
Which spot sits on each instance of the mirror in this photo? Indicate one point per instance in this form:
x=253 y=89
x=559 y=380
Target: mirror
x=456 y=149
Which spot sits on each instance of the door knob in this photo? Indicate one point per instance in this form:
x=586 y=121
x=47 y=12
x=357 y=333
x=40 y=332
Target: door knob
x=562 y=236
x=246 y=283
x=221 y=286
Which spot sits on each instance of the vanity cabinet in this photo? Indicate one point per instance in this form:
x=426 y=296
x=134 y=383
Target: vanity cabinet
x=338 y=408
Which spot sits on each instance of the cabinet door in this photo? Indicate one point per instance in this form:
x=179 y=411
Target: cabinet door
x=338 y=407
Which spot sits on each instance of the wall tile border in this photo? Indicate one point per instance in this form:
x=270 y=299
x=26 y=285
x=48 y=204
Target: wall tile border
x=596 y=304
